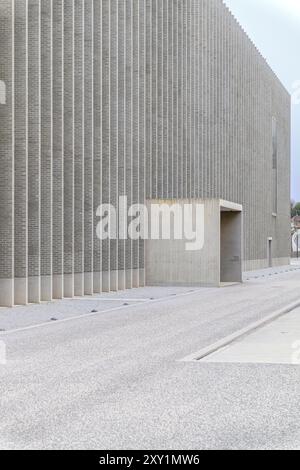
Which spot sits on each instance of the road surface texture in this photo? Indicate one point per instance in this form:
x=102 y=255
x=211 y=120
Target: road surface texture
x=115 y=380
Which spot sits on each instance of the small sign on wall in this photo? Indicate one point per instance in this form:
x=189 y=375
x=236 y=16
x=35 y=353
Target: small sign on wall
x=2 y=92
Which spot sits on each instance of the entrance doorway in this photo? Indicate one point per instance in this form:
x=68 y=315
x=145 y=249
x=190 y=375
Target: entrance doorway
x=231 y=246
x=270 y=255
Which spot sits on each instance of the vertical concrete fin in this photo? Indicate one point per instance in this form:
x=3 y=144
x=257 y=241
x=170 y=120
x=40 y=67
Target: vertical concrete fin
x=21 y=70
x=113 y=113
x=46 y=149
x=121 y=134
x=129 y=129
x=88 y=146
x=135 y=131
x=7 y=26
x=97 y=165
x=34 y=151
x=79 y=149
x=58 y=150
x=142 y=131
x=68 y=146
x=105 y=135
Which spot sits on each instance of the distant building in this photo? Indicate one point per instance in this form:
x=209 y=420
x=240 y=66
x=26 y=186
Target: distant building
x=153 y=99
x=296 y=222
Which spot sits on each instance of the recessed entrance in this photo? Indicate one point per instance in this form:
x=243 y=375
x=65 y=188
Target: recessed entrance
x=231 y=245
x=217 y=261
x=270 y=255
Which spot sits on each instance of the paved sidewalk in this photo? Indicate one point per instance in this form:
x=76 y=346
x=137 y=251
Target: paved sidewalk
x=35 y=314
x=276 y=343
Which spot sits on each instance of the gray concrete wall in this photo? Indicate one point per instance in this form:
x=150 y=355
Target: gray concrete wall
x=148 y=98
x=169 y=263
x=219 y=260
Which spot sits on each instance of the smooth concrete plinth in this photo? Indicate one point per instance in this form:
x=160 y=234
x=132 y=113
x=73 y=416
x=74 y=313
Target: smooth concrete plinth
x=69 y=285
x=46 y=289
x=58 y=286
x=79 y=284
x=114 y=281
x=121 y=280
x=253 y=265
x=128 y=277
x=105 y=281
x=21 y=291
x=34 y=290
x=6 y=292
x=88 y=284
x=97 y=283
x=135 y=278
x=142 y=277
x=281 y=262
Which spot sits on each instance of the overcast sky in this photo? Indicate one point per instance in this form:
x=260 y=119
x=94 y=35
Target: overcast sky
x=274 y=26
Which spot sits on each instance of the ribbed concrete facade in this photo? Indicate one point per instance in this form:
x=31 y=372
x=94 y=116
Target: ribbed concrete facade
x=144 y=98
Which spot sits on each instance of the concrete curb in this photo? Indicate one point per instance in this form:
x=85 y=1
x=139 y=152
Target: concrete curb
x=207 y=351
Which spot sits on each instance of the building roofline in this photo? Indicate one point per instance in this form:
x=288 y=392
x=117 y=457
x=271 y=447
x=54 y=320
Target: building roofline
x=255 y=47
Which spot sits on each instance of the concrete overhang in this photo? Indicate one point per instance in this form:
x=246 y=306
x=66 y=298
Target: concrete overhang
x=227 y=206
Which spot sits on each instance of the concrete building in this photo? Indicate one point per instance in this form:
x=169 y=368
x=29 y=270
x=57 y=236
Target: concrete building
x=153 y=99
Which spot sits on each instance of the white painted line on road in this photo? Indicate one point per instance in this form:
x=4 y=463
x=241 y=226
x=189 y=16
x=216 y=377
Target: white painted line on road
x=207 y=351
x=89 y=315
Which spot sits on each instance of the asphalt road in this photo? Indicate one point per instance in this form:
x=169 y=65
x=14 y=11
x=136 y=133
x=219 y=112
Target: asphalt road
x=114 y=380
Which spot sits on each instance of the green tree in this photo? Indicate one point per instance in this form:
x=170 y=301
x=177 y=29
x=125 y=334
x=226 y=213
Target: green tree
x=295 y=209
